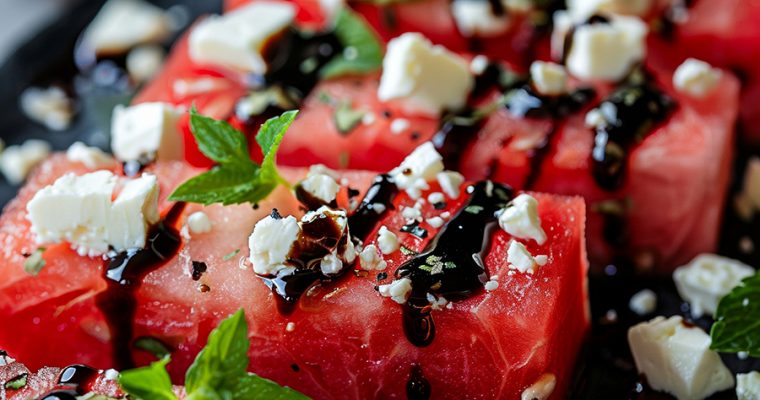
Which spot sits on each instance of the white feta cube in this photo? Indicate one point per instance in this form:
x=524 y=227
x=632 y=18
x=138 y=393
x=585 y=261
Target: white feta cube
x=607 y=51
x=237 y=39
x=80 y=210
x=271 y=242
x=397 y=290
x=643 y=302
x=91 y=157
x=696 y=78
x=50 y=107
x=708 y=277
x=676 y=358
x=417 y=169
x=476 y=18
x=16 y=162
x=371 y=260
x=521 y=259
x=199 y=222
x=123 y=24
x=426 y=78
x=541 y=389
x=146 y=130
x=548 y=78
x=521 y=220
x=387 y=241
x=748 y=386
x=321 y=186
x=450 y=181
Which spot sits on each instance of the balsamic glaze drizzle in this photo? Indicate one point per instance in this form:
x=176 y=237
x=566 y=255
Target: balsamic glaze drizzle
x=417 y=387
x=380 y=194
x=79 y=378
x=124 y=274
x=452 y=263
x=310 y=201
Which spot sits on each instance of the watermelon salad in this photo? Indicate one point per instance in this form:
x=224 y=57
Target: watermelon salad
x=389 y=199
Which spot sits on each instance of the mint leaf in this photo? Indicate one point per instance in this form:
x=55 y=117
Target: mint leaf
x=148 y=383
x=737 y=319
x=152 y=346
x=362 y=50
x=346 y=118
x=34 y=263
x=237 y=179
x=254 y=387
x=224 y=360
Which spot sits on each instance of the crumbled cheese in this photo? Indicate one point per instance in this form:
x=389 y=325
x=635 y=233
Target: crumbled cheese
x=111 y=374
x=435 y=198
x=541 y=389
x=399 y=125
x=323 y=170
x=91 y=157
x=417 y=169
x=50 y=107
x=479 y=64
x=331 y=264
x=643 y=302
x=387 y=241
x=435 y=222
x=548 y=78
x=144 y=62
x=322 y=186
x=237 y=39
x=583 y=9
x=696 y=78
x=199 y=222
x=476 y=18
x=146 y=130
x=16 y=162
x=290 y=327
x=445 y=215
x=450 y=181
x=439 y=303
x=520 y=219
x=706 y=279
x=369 y=118
x=270 y=243
x=607 y=51
x=676 y=358
x=413 y=70
x=371 y=260
x=491 y=285
x=748 y=386
x=80 y=210
x=123 y=24
x=411 y=214
x=519 y=258
x=397 y=290
x=595 y=118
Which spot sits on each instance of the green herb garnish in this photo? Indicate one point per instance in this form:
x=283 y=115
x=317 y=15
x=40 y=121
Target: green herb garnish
x=218 y=372
x=737 y=326
x=236 y=179
x=17 y=382
x=231 y=254
x=346 y=118
x=407 y=251
x=362 y=50
x=152 y=346
x=34 y=263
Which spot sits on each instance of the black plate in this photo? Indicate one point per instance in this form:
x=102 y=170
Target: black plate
x=605 y=369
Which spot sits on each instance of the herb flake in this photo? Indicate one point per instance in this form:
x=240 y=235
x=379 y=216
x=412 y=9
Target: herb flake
x=17 y=382
x=34 y=263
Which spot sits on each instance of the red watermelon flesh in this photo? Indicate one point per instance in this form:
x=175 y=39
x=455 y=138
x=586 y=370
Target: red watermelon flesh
x=347 y=341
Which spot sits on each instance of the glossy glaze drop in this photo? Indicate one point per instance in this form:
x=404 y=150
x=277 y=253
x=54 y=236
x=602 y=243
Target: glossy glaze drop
x=379 y=197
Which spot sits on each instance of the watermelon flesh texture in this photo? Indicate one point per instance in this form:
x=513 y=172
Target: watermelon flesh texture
x=347 y=340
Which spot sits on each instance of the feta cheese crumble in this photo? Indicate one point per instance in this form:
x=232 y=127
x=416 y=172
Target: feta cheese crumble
x=199 y=222
x=331 y=264
x=476 y=18
x=123 y=24
x=676 y=358
x=418 y=168
x=397 y=290
x=450 y=181
x=708 y=277
x=607 y=51
x=387 y=241
x=146 y=130
x=371 y=260
x=643 y=302
x=16 y=162
x=435 y=222
x=80 y=210
x=50 y=107
x=271 y=242
x=322 y=186
x=520 y=219
x=414 y=70
x=541 y=389
x=236 y=39
x=548 y=78
x=748 y=386
x=91 y=157
x=696 y=78
x=519 y=258
x=399 y=125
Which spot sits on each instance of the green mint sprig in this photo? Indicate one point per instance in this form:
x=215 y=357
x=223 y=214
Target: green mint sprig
x=362 y=50
x=237 y=178
x=737 y=321
x=219 y=372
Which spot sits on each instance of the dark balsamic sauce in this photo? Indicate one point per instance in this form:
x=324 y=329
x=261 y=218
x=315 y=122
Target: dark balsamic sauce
x=382 y=192
x=124 y=273
x=80 y=378
x=417 y=387
x=415 y=229
x=452 y=263
x=199 y=268
x=310 y=201
x=630 y=114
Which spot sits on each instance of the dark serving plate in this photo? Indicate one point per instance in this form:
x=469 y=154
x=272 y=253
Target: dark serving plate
x=605 y=369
